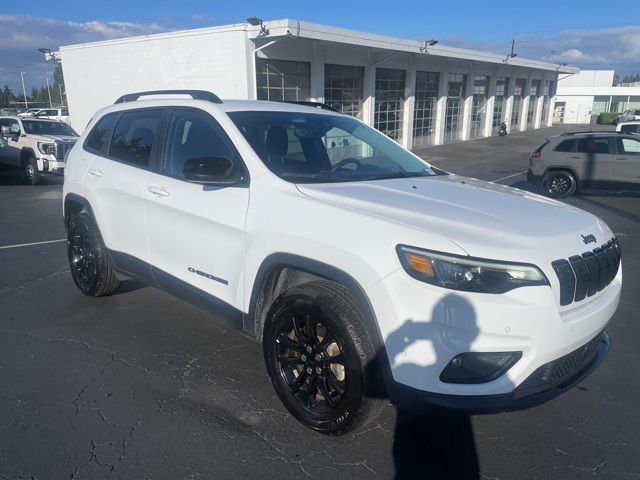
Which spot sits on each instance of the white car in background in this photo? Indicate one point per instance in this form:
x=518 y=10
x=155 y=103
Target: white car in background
x=628 y=116
x=61 y=114
x=32 y=112
x=629 y=127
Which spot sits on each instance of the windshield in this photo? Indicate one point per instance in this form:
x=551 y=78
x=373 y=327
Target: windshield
x=312 y=148
x=36 y=127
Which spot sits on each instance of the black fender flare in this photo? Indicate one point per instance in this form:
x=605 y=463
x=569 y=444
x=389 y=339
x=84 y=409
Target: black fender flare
x=278 y=261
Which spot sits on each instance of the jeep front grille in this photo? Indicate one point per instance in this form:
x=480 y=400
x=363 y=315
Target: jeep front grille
x=583 y=275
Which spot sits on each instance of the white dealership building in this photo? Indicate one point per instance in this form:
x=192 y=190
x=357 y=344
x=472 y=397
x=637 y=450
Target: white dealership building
x=591 y=92
x=418 y=92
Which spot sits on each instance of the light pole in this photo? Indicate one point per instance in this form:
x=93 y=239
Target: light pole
x=24 y=91
x=49 y=92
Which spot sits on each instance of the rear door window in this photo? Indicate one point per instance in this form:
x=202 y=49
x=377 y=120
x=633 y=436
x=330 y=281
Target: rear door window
x=135 y=136
x=628 y=146
x=565 y=146
x=593 y=145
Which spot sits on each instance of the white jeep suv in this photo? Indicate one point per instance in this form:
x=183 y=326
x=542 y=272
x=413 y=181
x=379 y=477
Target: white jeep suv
x=365 y=272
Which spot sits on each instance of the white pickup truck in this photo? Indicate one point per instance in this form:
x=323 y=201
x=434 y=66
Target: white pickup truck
x=35 y=147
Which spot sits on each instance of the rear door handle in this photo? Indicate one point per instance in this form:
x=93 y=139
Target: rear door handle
x=158 y=191
x=96 y=172
x=621 y=158
x=577 y=157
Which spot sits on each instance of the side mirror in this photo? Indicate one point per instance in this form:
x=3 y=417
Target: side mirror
x=6 y=132
x=211 y=169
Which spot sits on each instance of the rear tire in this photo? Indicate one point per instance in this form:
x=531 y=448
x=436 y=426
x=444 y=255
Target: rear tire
x=560 y=184
x=30 y=174
x=321 y=359
x=89 y=260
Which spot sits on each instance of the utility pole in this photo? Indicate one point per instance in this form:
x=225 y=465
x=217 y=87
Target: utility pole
x=49 y=92
x=24 y=91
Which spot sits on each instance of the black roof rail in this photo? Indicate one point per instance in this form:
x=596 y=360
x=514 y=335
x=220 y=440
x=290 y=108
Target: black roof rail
x=606 y=132
x=320 y=105
x=195 y=94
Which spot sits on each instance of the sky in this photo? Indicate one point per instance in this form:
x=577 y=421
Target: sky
x=586 y=33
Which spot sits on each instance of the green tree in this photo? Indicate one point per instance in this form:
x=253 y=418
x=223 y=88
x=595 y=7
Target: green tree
x=58 y=84
x=6 y=96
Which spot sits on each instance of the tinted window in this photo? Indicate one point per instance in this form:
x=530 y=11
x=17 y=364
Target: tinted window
x=47 y=127
x=98 y=134
x=64 y=111
x=628 y=146
x=311 y=148
x=134 y=136
x=629 y=128
x=593 y=145
x=565 y=146
x=193 y=134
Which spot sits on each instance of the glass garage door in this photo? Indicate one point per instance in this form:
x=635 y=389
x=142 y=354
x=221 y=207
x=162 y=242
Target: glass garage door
x=518 y=95
x=479 y=106
x=424 y=115
x=343 y=88
x=502 y=89
x=282 y=80
x=533 y=103
x=389 y=105
x=456 y=88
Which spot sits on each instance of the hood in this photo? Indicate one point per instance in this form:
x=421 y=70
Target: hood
x=52 y=138
x=484 y=219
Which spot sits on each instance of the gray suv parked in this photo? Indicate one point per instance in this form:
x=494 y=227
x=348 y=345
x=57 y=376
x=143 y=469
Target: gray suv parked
x=567 y=162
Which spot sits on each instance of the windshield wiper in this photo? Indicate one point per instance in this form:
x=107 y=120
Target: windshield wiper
x=398 y=175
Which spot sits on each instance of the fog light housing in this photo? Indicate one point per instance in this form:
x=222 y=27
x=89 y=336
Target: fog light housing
x=478 y=367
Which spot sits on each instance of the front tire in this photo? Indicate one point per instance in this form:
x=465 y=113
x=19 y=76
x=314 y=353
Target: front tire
x=30 y=174
x=89 y=261
x=560 y=184
x=320 y=358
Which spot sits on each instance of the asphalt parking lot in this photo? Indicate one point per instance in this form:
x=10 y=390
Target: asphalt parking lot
x=141 y=385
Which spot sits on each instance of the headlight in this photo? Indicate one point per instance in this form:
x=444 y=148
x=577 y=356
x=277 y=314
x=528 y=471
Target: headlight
x=46 y=148
x=468 y=273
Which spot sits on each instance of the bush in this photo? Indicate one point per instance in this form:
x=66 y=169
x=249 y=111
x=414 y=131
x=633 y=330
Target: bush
x=607 y=118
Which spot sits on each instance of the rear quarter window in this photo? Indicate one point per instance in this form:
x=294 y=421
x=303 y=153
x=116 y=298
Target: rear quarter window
x=565 y=146
x=630 y=128
x=99 y=133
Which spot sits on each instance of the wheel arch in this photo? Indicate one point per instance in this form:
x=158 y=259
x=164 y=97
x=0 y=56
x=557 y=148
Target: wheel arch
x=25 y=154
x=280 y=271
x=74 y=203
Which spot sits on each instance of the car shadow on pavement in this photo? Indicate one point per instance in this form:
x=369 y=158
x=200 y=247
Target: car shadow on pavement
x=11 y=177
x=429 y=441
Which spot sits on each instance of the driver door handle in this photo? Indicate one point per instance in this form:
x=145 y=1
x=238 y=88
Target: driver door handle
x=158 y=191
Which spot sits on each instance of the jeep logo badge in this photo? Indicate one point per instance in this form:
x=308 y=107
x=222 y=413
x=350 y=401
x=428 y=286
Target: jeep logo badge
x=589 y=238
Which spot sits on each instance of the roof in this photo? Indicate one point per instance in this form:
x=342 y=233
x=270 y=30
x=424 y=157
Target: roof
x=300 y=29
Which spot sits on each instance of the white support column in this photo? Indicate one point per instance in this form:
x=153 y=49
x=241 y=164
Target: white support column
x=468 y=103
x=491 y=103
x=317 y=73
x=508 y=102
x=537 y=118
x=409 y=104
x=441 y=105
x=369 y=91
x=525 y=105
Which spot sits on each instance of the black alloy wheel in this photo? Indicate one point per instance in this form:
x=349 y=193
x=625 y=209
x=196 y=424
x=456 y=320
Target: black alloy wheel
x=320 y=358
x=311 y=362
x=560 y=184
x=89 y=261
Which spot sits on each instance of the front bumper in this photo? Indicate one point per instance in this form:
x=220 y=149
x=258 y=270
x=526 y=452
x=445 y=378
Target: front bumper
x=51 y=166
x=546 y=383
x=424 y=327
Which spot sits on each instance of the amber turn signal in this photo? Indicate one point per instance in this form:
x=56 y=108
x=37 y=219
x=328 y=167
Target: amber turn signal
x=420 y=264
